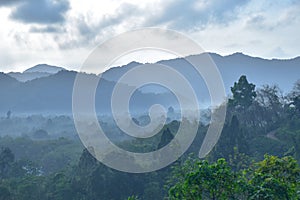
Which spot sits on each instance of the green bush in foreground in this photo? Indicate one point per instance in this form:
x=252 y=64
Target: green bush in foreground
x=273 y=178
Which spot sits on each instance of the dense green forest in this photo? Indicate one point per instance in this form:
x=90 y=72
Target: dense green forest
x=256 y=157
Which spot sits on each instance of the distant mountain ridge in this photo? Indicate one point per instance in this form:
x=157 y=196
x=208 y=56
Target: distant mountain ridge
x=53 y=93
x=283 y=72
x=44 y=68
x=37 y=71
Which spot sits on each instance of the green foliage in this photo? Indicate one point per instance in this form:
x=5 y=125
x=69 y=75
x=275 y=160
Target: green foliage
x=239 y=161
x=275 y=178
x=50 y=155
x=233 y=136
x=59 y=187
x=133 y=198
x=61 y=169
x=214 y=181
x=5 y=193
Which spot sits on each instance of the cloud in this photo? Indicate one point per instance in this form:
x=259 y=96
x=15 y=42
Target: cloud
x=179 y=15
x=191 y=14
x=41 y=11
x=278 y=52
x=122 y=14
x=46 y=29
x=257 y=27
x=90 y=32
x=8 y=3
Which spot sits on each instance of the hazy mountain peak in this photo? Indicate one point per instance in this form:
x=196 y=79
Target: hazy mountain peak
x=38 y=71
x=55 y=90
x=44 y=68
x=238 y=55
x=6 y=77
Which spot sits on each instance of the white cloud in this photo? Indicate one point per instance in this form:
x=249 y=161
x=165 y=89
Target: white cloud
x=259 y=27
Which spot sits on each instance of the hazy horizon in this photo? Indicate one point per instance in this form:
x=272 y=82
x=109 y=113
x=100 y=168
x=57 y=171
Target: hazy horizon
x=143 y=60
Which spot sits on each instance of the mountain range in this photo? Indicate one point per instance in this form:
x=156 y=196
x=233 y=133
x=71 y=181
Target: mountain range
x=48 y=89
x=38 y=71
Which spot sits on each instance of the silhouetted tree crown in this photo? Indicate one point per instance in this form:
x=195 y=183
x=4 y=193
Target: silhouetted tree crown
x=243 y=93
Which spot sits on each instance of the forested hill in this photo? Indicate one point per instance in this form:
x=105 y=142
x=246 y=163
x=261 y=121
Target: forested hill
x=52 y=92
x=256 y=157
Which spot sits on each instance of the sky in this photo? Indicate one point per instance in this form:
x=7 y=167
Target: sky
x=64 y=32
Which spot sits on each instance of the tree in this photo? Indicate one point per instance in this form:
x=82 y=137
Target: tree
x=239 y=161
x=59 y=187
x=296 y=103
x=294 y=97
x=243 y=104
x=232 y=138
x=270 y=99
x=171 y=113
x=296 y=89
x=8 y=114
x=29 y=187
x=166 y=137
x=133 y=198
x=87 y=162
x=40 y=134
x=269 y=96
x=5 y=193
x=6 y=159
x=213 y=181
x=243 y=94
x=275 y=179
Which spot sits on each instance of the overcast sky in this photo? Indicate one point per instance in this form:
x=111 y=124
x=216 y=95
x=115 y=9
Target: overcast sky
x=64 y=32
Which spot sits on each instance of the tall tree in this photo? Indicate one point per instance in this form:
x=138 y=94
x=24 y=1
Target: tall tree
x=232 y=137
x=294 y=97
x=296 y=103
x=6 y=159
x=270 y=107
x=243 y=93
x=166 y=137
x=87 y=161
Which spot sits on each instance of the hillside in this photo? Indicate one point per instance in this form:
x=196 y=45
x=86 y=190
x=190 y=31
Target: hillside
x=53 y=93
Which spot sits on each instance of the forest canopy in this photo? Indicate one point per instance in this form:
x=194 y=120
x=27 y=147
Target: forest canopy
x=256 y=157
